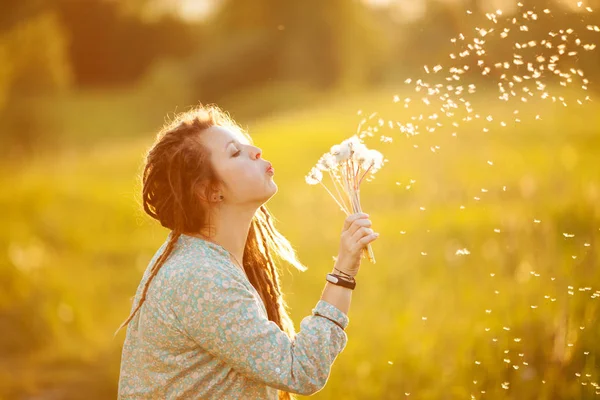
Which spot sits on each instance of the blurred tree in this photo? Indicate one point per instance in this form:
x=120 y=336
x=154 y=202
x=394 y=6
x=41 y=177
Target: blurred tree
x=110 y=46
x=32 y=50
x=33 y=65
x=335 y=43
x=326 y=44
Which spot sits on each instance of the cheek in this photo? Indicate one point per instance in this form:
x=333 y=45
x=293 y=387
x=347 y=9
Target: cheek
x=243 y=178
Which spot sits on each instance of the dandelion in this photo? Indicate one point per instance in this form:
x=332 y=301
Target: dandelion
x=326 y=162
x=341 y=152
x=347 y=164
x=314 y=176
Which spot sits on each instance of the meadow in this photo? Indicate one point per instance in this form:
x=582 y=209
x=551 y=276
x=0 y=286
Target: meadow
x=515 y=318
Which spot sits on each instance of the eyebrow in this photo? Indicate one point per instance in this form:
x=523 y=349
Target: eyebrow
x=228 y=143
x=234 y=141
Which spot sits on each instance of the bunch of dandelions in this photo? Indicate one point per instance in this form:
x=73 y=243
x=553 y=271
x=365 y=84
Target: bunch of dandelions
x=348 y=164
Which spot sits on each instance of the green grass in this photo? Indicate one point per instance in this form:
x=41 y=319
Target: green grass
x=77 y=243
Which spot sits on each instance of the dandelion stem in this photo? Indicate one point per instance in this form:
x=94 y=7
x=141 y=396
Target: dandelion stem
x=365 y=174
x=358 y=208
x=339 y=181
x=343 y=207
x=335 y=185
x=346 y=179
x=348 y=176
x=354 y=173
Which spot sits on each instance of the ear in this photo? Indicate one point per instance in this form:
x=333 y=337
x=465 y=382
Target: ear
x=205 y=192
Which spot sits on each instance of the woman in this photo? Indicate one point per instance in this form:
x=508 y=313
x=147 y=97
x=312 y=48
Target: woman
x=208 y=319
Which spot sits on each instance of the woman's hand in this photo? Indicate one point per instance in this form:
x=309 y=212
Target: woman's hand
x=356 y=235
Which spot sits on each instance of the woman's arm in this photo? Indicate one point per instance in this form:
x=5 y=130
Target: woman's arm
x=339 y=296
x=223 y=316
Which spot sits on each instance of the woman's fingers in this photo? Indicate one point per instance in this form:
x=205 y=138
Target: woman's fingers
x=367 y=239
x=360 y=233
x=356 y=225
x=352 y=218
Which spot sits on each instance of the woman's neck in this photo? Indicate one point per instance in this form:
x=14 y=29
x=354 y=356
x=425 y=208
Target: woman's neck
x=229 y=229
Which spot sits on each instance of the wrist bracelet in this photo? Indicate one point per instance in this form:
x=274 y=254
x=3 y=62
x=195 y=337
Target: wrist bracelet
x=343 y=273
x=340 y=280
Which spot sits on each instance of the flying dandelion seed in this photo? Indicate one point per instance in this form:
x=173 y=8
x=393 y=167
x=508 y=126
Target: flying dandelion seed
x=529 y=74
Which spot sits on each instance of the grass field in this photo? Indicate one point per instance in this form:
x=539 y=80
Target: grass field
x=515 y=318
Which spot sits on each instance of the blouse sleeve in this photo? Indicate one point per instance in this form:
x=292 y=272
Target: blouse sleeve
x=223 y=316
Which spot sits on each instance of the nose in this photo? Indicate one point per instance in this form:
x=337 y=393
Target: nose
x=257 y=153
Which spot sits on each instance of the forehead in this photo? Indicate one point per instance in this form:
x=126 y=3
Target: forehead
x=217 y=137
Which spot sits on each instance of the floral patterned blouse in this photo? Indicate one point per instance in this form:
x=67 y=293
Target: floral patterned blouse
x=203 y=333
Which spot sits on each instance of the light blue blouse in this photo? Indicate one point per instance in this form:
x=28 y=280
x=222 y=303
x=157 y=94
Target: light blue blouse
x=203 y=333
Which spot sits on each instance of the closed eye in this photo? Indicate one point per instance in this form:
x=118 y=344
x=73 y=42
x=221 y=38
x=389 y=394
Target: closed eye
x=237 y=153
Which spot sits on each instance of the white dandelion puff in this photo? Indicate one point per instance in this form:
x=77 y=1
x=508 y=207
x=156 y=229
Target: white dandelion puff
x=314 y=176
x=327 y=162
x=362 y=157
x=375 y=159
x=341 y=152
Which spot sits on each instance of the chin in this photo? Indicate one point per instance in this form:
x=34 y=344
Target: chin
x=274 y=189
x=271 y=191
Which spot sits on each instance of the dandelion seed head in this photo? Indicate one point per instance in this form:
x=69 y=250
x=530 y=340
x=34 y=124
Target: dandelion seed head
x=327 y=162
x=314 y=176
x=341 y=152
x=375 y=159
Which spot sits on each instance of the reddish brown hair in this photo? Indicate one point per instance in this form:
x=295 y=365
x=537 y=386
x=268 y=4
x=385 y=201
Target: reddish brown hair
x=175 y=167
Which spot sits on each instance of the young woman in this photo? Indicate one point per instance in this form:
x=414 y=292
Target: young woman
x=208 y=320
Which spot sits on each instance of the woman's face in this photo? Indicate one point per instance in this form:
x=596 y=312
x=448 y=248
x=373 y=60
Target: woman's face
x=240 y=165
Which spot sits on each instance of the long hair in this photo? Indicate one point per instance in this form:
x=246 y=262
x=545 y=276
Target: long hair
x=175 y=166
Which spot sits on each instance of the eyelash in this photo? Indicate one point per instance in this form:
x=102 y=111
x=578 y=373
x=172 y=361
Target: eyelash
x=237 y=153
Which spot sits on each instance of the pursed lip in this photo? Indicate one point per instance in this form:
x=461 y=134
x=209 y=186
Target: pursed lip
x=269 y=167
